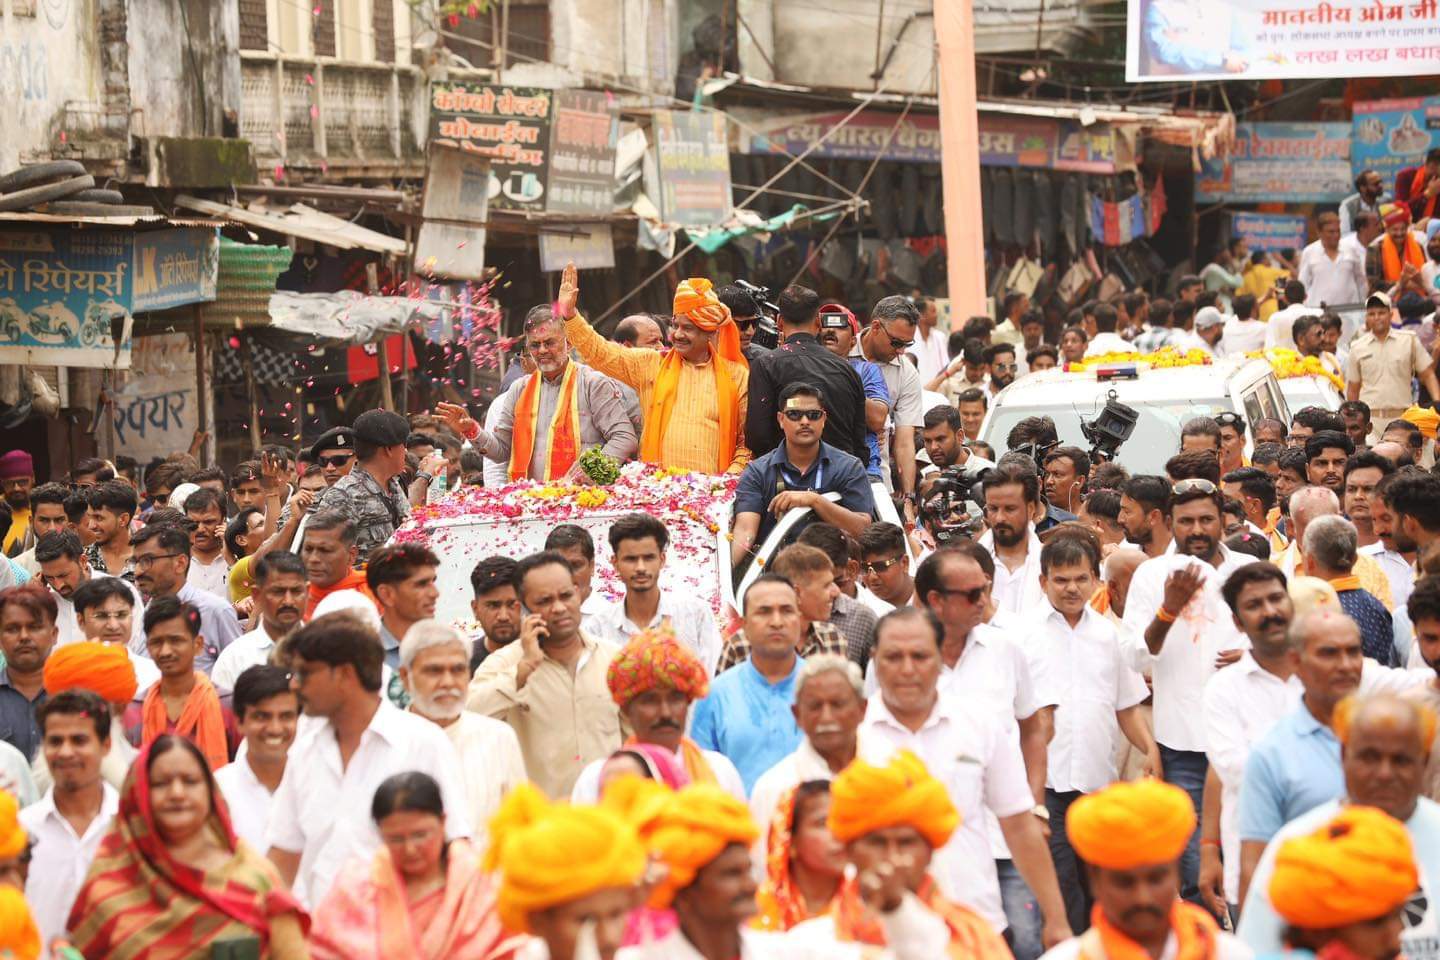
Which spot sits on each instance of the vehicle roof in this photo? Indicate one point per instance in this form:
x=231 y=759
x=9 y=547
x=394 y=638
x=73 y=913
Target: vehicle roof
x=1059 y=386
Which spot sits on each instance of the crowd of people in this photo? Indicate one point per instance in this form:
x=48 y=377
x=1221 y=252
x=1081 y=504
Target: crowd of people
x=1059 y=709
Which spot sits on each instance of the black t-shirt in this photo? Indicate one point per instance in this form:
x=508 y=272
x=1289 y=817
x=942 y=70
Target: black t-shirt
x=802 y=358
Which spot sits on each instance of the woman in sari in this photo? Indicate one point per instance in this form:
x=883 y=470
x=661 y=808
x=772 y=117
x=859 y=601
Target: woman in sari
x=419 y=897
x=170 y=879
x=804 y=864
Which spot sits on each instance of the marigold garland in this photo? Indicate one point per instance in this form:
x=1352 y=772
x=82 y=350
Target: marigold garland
x=1289 y=363
x=1163 y=358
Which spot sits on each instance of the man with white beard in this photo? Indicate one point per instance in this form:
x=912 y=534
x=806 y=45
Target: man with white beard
x=435 y=668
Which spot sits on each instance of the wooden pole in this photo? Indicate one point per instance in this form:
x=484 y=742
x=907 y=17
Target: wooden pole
x=382 y=349
x=203 y=413
x=249 y=367
x=960 y=157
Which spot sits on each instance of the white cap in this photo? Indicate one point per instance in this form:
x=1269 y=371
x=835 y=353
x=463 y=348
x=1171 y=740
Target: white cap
x=1208 y=317
x=180 y=494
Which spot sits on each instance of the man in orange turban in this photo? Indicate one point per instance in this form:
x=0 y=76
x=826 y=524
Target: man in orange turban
x=560 y=866
x=654 y=679
x=108 y=670
x=694 y=397
x=1346 y=883
x=701 y=836
x=1131 y=836
x=892 y=819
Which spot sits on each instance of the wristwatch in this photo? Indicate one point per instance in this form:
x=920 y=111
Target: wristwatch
x=427 y=477
x=1041 y=811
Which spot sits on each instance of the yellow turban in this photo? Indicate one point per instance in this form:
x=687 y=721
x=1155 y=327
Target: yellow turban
x=1423 y=417
x=866 y=798
x=1128 y=825
x=553 y=853
x=687 y=832
x=19 y=937
x=104 y=668
x=1357 y=867
x=695 y=299
x=13 y=837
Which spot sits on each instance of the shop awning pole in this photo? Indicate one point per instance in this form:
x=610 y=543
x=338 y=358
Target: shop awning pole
x=382 y=348
x=202 y=408
x=960 y=156
x=247 y=364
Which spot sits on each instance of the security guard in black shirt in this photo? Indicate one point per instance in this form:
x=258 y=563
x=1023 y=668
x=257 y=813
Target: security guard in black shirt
x=800 y=357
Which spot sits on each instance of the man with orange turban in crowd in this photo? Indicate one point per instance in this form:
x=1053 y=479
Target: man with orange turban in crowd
x=1343 y=888
x=701 y=837
x=654 y=679
x=1131 y=836
x=892 y=819
x=105 y=669
x=1394 y=259
x=568 y=876
x=692 y=398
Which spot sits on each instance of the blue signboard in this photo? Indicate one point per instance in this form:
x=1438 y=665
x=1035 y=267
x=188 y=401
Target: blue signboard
x=1281 y=162
x=67 y=296
x=1270 y=231
x=1390 y=135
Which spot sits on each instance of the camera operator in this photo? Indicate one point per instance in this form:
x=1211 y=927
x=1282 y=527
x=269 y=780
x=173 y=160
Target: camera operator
x=945 y=443
x=801 y=359
x=1036 y=437
x=1066 y=469
x=748 y=315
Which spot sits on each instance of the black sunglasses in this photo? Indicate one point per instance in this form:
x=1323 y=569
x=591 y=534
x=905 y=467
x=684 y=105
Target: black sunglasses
x=335 y=460
x=745 y=323
x=972 y=595
x=795 y=416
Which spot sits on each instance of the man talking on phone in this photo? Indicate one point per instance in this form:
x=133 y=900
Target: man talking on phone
x=550 y=685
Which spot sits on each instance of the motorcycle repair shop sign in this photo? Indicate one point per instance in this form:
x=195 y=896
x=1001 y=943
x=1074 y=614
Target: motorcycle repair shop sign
x=68 y=297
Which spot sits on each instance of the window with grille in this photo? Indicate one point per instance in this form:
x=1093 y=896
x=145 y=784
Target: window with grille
x=529 y=38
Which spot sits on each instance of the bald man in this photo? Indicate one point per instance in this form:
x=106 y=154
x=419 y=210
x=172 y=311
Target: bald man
x=1120 y=568
x=1309 y=503
x=640 y=330
x=1385 y=740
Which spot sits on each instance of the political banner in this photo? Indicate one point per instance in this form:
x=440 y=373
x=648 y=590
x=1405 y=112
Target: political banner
x=1280 y=162
x=1271 y=231
x=1280 y=39
x=583 y=134
x=1389 y=135
x=692 y=158
x=67 y=296
x=508 y=125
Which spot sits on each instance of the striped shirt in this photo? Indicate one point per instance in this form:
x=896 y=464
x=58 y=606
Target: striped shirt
x=692 y=438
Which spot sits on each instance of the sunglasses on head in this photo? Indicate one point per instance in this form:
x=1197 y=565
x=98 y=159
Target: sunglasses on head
x=795 y=416
x=1230 y=420
x=335 y=459
x=1193 y=485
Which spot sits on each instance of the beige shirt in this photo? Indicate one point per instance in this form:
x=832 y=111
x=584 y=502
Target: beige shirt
x=490 y=766
x=563 y=720
x=1384 y=368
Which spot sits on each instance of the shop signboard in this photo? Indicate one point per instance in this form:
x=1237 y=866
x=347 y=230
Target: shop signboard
x=154 y=412
x=1280 y=163
x=692 y=157
x=67 y=297
x=1389 y=135
x=1170 y=40
x=451 y=240
x=510 y=126
x=1271 y=231
x=583 y=133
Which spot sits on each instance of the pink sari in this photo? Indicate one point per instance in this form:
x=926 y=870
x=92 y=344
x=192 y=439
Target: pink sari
x=366 y=916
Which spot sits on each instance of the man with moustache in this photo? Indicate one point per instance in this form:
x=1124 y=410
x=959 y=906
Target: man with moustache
x=1325 y=456
x=1364 y=474
x=435 y=669
x=1413 y=500
x=550 y=684
x=280 y=592
x=335 y=454
x=655 y=680
x=1011 y=496
x=838 y=331
x=27 y=636
x=496 y=606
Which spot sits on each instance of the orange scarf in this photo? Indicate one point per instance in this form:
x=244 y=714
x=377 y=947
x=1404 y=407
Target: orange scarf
x=697 y=768
x=201 y=721
x=1100 y=599
x=971 y=937
x=562 y=446
x=662 y=403
x=1391 y=257
x=1341 y=584
x=1195 y=930
x=355 y=580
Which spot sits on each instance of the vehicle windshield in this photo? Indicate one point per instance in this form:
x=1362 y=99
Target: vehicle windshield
x=1155 y=440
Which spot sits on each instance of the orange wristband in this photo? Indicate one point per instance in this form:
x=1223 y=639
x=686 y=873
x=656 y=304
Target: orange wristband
x=1164 y=616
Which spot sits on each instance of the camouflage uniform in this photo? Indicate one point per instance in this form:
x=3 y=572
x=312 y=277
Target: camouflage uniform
x=374 y=512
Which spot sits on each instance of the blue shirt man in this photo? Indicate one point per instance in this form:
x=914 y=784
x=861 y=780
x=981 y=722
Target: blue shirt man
x=1292 y=770
x=798 y=473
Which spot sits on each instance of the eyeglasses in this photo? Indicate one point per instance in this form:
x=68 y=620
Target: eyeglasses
x=145 y=563
x=795 y=416
x=745 y=323
x=880 y=566
x=335 y=460
x=897 y=343
x=1193 y=485
x=972 y=595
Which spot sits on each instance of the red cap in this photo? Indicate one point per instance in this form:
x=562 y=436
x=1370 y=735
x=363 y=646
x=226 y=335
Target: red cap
x=841 y=308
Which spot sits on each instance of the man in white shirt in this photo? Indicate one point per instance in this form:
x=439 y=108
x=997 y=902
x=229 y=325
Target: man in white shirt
x=639 y=542
x=931 y=346
x=209 y=570
x=435 y=668
x=1075 y=656
x=321 y=814
x=1011 y=495
x=1333 y=275
x=64 y=569
x=980 y=666
x=1106 y=339
x=280 y=594
x=1176 y=607
x=1243 y=333
x=67 y=824
x=1366 y=477
x=1280 y=329
x=267 y=712
x=977 y=757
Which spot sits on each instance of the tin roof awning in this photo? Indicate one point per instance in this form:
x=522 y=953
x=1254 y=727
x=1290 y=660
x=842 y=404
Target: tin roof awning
x=299 y=220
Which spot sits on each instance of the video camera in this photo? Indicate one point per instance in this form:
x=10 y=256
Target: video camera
x=1113 y=426
x=767 y=330
x=954 y=509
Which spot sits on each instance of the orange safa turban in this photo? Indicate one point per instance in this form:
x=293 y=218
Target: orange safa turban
x=695 y=300
x=553 y=853
x=19 y=937
x=1357 y=867
x=691 y=829
x=1133 y=824
x=104 y=668
x=13 y=837
x=651 y=659
x=865 y=798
